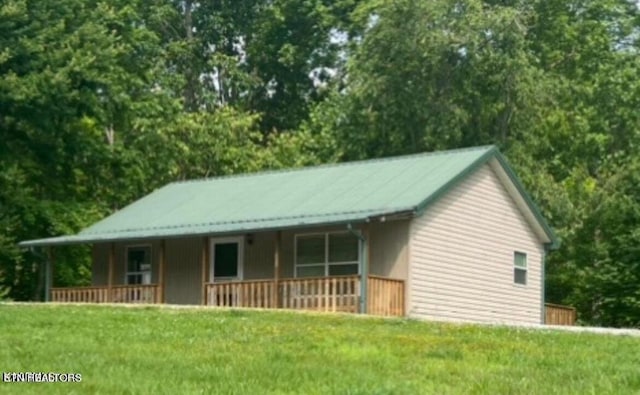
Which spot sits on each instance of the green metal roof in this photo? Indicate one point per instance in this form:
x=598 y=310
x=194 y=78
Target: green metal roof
x=328 y=194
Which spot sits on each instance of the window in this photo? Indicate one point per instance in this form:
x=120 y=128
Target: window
x=327 y=254
x=227 y=257
x=139 y=265
x=520 y=268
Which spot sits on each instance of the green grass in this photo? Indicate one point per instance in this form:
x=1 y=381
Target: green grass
x=177 y=351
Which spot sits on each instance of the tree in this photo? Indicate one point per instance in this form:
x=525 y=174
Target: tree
x=606 y=250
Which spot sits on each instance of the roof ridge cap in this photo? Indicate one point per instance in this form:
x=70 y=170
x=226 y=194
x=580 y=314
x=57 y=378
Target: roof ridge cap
x=335 y=164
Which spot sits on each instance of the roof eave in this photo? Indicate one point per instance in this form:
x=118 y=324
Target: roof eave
x=78 y=239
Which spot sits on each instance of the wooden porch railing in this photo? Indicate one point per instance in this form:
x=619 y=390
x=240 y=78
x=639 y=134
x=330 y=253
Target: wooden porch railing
x=385 y=296
x=321 y=293
x=241 y=294
x=330 y=294
x=555 y=314
x=135 y=294
x=119 y=294
x=81 y=294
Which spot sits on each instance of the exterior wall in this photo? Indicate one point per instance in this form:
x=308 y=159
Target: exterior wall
x=183 y=271
x=100 y=269
x=462 y=252
x=100 y=265
x=389 y=249
x=258 y=256
x=388 y=256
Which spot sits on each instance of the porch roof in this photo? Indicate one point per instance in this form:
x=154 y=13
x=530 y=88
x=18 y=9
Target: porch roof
x=328 y=194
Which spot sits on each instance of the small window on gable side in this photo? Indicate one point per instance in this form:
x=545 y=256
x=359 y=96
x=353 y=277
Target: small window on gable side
x=520 y=268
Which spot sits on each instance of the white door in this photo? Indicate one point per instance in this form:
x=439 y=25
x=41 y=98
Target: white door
x=227 y=254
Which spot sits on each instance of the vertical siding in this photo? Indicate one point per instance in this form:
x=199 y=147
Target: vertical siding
x=183 y=271
x=388 y=249
x=388 y=254
x=100 y=264
x=258 y=256
x=461 y=263
x=286 y=253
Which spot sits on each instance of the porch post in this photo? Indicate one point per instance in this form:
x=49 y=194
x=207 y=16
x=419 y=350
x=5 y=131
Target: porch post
x=362 y=236
x=48 y=274
x=161 y=265
x=112 y=257
x=204 y=261
x=364 y=274
x=276 y=271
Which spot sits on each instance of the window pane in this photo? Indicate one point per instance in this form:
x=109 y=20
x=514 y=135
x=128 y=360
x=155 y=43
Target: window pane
x=520 y=276
x=310 y=271
x=343 y=247
x=133 y=279
x=520 y=260
x=310 y=249
x=136 y=257
x=342 y=270
x=225 y=260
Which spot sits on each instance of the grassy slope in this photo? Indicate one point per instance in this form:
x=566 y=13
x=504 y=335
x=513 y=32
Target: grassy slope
x=153 y=350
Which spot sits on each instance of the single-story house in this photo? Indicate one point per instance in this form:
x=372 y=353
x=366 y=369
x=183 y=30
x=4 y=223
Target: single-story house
x=447 y=235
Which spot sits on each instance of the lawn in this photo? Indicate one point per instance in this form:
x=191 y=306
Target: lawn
x=180 y=351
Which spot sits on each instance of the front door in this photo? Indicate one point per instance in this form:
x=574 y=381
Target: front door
x=226 y=259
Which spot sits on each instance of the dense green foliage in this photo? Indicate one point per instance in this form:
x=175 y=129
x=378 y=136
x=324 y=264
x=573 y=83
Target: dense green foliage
x=103 y=101
x=194 y=350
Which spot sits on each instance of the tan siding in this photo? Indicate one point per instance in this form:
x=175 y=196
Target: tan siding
x=286 y=248
x=183 y=279
x=388 y=248
x=101 y=261
x=100 y=269
x=183 y=271
x=258 y=256
x=462 y=256
x=120 y=266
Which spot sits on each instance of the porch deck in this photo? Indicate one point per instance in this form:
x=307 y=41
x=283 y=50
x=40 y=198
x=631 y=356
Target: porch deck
x=385 y=296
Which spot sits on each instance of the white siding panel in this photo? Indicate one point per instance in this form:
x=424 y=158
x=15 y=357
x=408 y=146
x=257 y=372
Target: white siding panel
x=461 y=256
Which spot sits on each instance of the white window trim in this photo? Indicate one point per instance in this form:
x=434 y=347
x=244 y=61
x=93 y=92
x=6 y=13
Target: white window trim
x=326 y=262
x=127 y=273
x=525 y=268
x=212 y=258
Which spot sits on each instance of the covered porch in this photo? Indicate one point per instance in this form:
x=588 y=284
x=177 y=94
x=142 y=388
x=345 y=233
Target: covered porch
x=277 y=269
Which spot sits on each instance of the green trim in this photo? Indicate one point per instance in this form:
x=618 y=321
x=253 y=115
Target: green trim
x=422 y=206
x=555 y=242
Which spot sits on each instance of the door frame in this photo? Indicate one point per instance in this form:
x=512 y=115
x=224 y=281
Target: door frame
x=212 y=259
